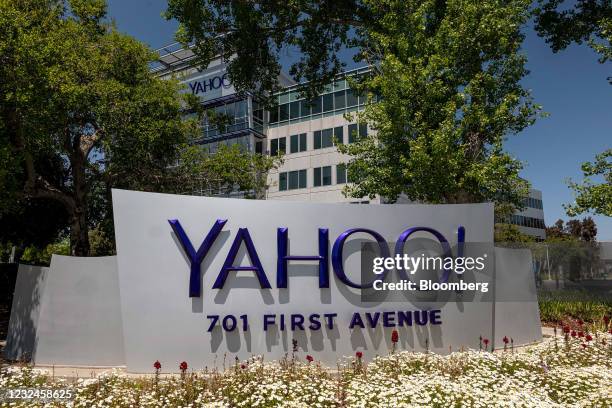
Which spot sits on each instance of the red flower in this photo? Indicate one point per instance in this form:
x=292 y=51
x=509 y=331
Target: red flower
x=606 y=320
x=394 y=336
x=359 y=354
x=580 y=334
x=566 y=329
x=610 y=331
x=183 y=366
x=309 y=358
x=588 y=337
x=485 y=341
x=580 y=322
x=573 y=333
x=584 y=345
x=243 y=366
x=157 y=365
x=505 y=339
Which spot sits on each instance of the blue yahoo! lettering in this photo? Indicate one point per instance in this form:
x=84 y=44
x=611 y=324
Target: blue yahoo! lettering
x=209 y=84
x=196 y=257
x=283 y=258
x=242 y=236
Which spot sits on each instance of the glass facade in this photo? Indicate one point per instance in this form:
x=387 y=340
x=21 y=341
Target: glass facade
x=524 y=221
x=337 y=98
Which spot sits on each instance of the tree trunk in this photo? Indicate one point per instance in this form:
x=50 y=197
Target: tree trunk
x=79 y=228
x=79 y=231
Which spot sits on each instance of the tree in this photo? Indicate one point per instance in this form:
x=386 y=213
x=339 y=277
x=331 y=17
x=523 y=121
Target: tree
x=585 y=230
x=590 y=195
x=445 y=76
x=75 y=90
x=585 y=20
x=229 y=169
x=509 y=233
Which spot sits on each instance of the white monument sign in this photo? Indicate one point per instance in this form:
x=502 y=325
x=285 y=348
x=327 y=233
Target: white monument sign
x=208 y=279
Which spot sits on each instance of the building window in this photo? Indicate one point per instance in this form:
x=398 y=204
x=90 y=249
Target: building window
x=341 y=173
x=316 y=105
x=325 y=138
x=274 y=114
x=283 y=112
x=328 y=102
x=356 y=132
x=278 y=146
x=305 y=107
x=294 y=110
x=298 y=143
x=292 y=180
x=322 y=176
x=339 y=134
x=339 y=102
x=259 y=147
x=351 y=98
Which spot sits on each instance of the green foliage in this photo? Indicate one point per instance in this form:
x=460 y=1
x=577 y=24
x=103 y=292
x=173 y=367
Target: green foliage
x=584 y=20
x=557 y=306
x=446 y=76
x=81 y=113
x=505 y=233
x=593 y=196
x=38 y=256
x=449 y=93
x=229 y=169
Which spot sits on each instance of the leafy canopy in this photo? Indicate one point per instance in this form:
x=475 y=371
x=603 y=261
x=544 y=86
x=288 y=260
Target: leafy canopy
x=447 y=74
x=594 y=195
x=77 y=93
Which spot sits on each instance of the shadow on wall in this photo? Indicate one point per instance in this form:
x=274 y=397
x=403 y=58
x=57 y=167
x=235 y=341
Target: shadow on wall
x=25 y=310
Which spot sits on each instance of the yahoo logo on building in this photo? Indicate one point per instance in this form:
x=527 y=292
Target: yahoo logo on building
x=209 y=84
x=283 y=258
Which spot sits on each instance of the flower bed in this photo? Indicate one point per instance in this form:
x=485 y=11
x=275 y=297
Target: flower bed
x=562 y=371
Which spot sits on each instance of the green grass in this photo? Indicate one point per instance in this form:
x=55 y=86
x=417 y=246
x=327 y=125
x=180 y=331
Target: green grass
x=561 y=305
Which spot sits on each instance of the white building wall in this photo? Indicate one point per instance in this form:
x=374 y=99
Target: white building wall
x=310 y=159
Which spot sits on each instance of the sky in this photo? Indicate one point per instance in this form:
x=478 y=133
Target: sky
x=571 y=86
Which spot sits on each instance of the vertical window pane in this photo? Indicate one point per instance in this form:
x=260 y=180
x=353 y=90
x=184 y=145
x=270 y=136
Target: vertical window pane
x=259 y=147
x=339 y=134
x=282 y=181
x=294 y=180
x=352 y=133
x=328 y=102
x=317 y=176
x=283 y=112
x=282 y=145
x=327 y=138
x=274 y=147
x=303 y=142
x=303 y=179
x=327 y=179
x=351 y=98
x=339 y=100
x=341 y=173
x=294 y=144
x=274 y=114
x=316 y=136
x=294 y=110
x=305 y=107
x=363 y=130
x=316 y=105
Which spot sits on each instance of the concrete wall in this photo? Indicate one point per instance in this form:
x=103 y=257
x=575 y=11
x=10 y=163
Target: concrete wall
x=25 y=311
x=517 y=315
x=80 y=319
